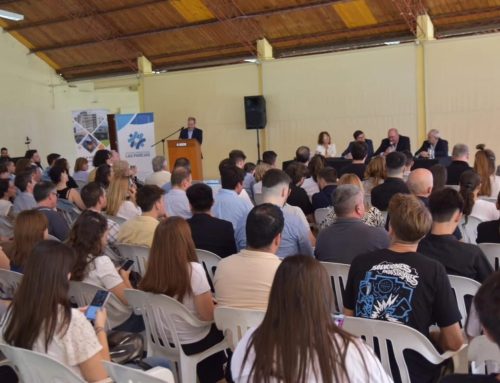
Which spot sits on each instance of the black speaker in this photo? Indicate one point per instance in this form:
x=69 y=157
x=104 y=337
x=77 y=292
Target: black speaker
x=255 y=112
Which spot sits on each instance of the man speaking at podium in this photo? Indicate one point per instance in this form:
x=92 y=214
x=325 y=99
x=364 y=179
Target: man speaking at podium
x=192 y=132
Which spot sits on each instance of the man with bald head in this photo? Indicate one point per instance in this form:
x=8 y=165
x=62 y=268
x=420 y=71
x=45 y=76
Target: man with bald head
x=433 y=147
x=393 y=143
x=420 y=184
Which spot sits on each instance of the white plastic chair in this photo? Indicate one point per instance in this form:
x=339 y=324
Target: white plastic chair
x=462 y=288
x=320 y=214
x=469 y=229
x=489 y=199
x=338 y=273
x=9 y=281
x=160 y=315
x=125 y=374
x=138 y=254
x=209 y=262
x=34 y=367
x=483 y=355
x=402 y=338
x=492 y=252
x=234 y=322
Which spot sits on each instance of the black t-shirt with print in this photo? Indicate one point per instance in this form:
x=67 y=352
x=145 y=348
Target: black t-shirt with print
x=407 y=288
x=470 y=379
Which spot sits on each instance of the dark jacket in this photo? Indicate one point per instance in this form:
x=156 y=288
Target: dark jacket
x=440 y=150
x=197 y=135
x=382 y=194
x=212 y=234
x=324 y=197
x=369 y=145
x=455 y=170
x=403 y=144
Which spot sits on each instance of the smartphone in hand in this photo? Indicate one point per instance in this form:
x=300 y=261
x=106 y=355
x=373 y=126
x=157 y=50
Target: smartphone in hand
x=127 y=265
x=99 y=300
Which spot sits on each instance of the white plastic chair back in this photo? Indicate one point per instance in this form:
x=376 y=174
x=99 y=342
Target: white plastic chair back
x=138 y=254
x=489 y=199
x=160 y=314
x=463 y=287
x=209 y=261
x=9 y=281
x=125 y=374
x=492 y=252
x=320 y=214
x=234 y=322
x=34 y=367
x=6 y=227
x=483 y=355
x=469 y=229
x=338 y=273
x=400 y=336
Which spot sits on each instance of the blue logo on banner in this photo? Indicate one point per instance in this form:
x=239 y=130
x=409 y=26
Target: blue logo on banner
x=136 y=140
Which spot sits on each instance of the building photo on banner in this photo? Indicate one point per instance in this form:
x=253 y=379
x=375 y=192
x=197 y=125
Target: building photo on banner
x=91 y=132
x=135 y=136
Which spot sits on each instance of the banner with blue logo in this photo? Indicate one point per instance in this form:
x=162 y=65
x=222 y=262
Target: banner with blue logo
x=136 y=134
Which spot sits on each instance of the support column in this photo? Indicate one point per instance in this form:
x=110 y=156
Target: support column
x=144 y=67
x=264 y=53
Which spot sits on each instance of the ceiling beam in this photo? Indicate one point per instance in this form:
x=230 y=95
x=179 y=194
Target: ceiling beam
x=65 y=18
x=249 y=16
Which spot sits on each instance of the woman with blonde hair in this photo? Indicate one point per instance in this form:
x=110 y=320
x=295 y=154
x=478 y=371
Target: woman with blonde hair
x=260 y=170
x=121 y=199
x=325 y=146
x=81 y=172
x=373 y=216
x=375 y=174
x=484 y=165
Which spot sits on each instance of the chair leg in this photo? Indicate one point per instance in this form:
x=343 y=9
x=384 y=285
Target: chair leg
x=188 y=370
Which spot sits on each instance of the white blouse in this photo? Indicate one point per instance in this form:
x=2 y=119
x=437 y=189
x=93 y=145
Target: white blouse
x=330 y=152
x=484 y=210
x=128 y=210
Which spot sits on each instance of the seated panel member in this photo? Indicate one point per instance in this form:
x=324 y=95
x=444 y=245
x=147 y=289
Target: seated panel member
x=433 y=147
x=359 y=136
x=393 y=143
x=192 y=132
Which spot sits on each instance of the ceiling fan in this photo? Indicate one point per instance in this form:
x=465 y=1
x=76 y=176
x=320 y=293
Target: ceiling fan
x=11 y=15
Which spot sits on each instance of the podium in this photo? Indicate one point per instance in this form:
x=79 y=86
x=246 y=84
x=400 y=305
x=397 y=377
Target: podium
x=190 y=149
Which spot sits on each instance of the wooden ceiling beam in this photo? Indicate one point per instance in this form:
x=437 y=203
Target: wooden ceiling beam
x=83 y=15
x=249 y=16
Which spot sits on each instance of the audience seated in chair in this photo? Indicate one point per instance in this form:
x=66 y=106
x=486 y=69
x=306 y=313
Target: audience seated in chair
x=349 y=236
x=484 y=165
x=244 y=280
x=237 y=158
x=375 y=174
x=51 y=158
x=209 y=233
x=181 y=162
x=173 y=270
x=489 y=231
x=24 y=200
x=176 y=202
x=409 y=288
x=7 y=193
x=249 y=179
x=81 y=170
x=160 y=175
x=45 y=194
x=458 y=258
x=101 y=157
x=470 y=184
x=121 y=199
x=327 y=182
x=310 y=347
x=459 y=164
x=63 y=163
x=140 y=230
x=359 y=151
x=393 y=184
x=297 y=172
x=103 y=176
x=59 y=177
x=260 y=170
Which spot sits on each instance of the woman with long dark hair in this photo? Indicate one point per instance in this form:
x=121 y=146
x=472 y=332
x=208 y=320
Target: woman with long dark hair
x=41 y=319
x=173 y=270
x=470 y=184
x=59 y=176
x=298 y=340
x=103 y=175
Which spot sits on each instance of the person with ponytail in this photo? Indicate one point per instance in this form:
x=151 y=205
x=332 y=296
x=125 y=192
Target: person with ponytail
x=489 y=232
x=484 y=165
x=318 y=351
x=470 y=185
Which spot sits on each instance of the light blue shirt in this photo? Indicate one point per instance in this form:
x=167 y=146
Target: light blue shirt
x=294 y=237
x=24 y=201
x=177 y=204
x=229 y=206
x=248 y=183
x=167 y=187
x=45 y=174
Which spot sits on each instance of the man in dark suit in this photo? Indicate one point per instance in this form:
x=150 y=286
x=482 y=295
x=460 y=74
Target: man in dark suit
x=393 y=143
x=192 y=132
x=433 y=147
x=359 y=136
x=459 y=164
x=209 y=233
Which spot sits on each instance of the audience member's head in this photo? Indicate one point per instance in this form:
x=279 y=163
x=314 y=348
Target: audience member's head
x=376 y=171
x=439 y=175
x=302 y=154
x=359 y=151
x=121 y=168
x=460 y=152
x=348 y=201
x=200 y=197
x=263 y=228
x=101 y=157
x=446 y=206
x=4 y=153
x=408 y=161
x=238 y=157
x=58 y=175
x=22 y=165
x=327 y=176
x=260 y=170
x=150 y=199
x=181 y=178
x=249 y=168
x=169 y=267
x=182 y=162
x=104 y=175
x=33 y=156
x=45 y=194
x=7 y=189
x=420 y=182
x=469 y=183
x=24 y=181
x=275 y=187
x=81 y=164
x=269 y=157
x=487 y=304
x=159 y=163
x=484 y=165
x=395 y=164
x=232 y=177
x=31 y=227
x=297 y=172
x=351 y=179
x=410 y=219
x=118 y=192
x=37 y=172
x=52 y=157
x=93 y=196
x=324 y=138
x=315 y=165
x=88 y=237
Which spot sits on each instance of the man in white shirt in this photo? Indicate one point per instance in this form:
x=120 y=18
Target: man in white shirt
x=160 y=175
x=176 y=201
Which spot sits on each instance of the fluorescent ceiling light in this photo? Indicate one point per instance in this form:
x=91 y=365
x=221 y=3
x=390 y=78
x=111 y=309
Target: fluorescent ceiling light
x=11 y=15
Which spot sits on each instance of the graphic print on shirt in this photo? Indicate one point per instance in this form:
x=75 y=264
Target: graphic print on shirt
x=386 y=292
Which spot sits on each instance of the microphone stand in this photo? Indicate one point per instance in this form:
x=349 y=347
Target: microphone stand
x=164 y=139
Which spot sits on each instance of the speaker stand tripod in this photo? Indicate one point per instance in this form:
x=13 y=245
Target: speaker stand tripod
x=258 y=144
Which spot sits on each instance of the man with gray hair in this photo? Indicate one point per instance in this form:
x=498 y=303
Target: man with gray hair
x=433 y=147
x=459 y=163
x=295 y=236
x=349 y=237
x=160 y=175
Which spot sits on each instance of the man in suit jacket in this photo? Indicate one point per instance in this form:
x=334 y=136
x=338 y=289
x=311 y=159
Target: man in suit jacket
x=359 y=136
x=192 y=132
x=393 y=143
x=209 y=233
x=433 y=144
